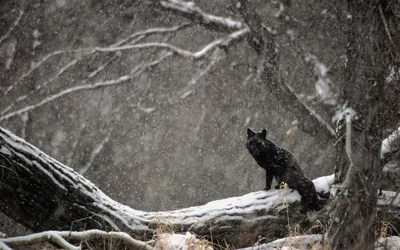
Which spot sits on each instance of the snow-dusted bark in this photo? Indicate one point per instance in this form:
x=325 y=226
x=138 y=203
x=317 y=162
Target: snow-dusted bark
x=353 y=223
x=43 y=194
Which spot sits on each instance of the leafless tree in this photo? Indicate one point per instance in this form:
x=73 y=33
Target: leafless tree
x=243 y=48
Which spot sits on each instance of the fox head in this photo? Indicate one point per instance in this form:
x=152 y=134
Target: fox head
x=258 y=144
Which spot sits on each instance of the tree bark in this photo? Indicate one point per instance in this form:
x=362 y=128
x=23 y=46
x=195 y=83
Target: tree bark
x=353 y=216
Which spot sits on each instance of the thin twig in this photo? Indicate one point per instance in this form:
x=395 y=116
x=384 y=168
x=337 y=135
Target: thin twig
x=311 y=111
x=190 y=9
x=90 y=86
x=215 y=56
x=90 y=50
x=23 y=97
x=349 y=114
x=43 y=60
x=75 y=144
x=179 y=51
x=3 y=38
x=149 y=32
x=93 y=155
x=386 y=25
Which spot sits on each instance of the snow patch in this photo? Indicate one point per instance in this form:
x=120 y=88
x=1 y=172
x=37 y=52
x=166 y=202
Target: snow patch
x=388 y=243
x=188 y=241
x=322 y=184
x=4 y=150
x=390 y=143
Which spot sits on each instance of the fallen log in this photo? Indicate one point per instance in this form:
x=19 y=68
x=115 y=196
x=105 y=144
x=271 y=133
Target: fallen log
x=43 y=194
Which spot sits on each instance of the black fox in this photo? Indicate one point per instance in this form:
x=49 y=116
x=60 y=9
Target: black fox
x=282 y=165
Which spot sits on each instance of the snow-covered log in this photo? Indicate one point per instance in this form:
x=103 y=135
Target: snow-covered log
x=43 y=194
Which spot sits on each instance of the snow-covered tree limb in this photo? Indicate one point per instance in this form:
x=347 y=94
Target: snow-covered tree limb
x=61 y=237
x=179 y=51
x=37 y=188
x=83 y=52
x=192 y=11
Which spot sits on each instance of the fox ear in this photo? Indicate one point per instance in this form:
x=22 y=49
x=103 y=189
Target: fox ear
x=264 y=134
x=250 y=133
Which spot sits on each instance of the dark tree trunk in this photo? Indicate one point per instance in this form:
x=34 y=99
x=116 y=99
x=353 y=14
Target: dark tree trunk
x=353 y=218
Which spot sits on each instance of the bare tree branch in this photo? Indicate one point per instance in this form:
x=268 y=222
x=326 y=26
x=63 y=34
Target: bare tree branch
x=39 y=63
x=313 y=113
x=179 y=51
x=122 y=79
x=4 y=246
x=89 y=51
x=96 y=151
x=61 y=237
x=23 y=97
x=190 y=10
x=189 y=89
x=148 y=32
x=12 y=27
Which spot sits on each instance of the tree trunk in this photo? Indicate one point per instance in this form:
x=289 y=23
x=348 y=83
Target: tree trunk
x=353 y=216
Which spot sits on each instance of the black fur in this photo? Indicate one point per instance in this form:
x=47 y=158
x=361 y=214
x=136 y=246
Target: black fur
x=282 y=165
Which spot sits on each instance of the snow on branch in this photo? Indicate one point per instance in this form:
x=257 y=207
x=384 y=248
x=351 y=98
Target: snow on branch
x=39 y=63
x=179 y=51
x=94 y=154
x=88 y=51
x=3 y=246
x=12 y=27
x=61 y=237
x=349 y=115
x=311 y=111
x=391 y=143
x=190 y=89
x=149 y=32
x=122 y=79
x=192 y=11
x=23 y=97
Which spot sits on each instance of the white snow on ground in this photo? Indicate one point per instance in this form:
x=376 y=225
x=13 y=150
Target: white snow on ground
x=322 y=184
x=305 y=241
x=388 y=243
x=292 y=243
x=389 y=197
x=188 y=241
